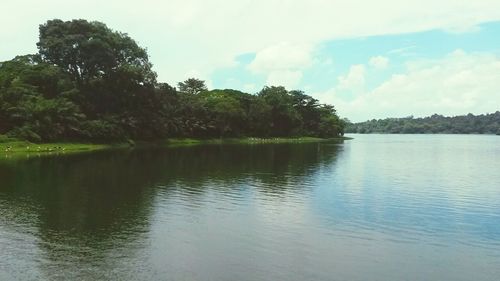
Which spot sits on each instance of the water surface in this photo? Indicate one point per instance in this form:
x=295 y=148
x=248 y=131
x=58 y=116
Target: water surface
x=379 y=207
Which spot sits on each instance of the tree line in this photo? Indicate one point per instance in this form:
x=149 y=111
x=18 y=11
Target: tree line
x=88 y=82
x=435 y=124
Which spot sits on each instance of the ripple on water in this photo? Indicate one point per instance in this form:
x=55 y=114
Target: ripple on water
x=377 y=207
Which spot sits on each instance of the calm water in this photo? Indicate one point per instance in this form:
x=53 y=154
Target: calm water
x=379 y=207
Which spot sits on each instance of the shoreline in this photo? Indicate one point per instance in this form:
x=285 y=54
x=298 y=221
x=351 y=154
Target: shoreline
x=12 y=148
x=247 y=140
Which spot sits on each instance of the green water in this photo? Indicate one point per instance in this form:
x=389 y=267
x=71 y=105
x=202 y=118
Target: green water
x=373 y=208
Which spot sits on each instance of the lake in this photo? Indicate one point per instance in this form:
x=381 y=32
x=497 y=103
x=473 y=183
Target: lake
x=378 y=207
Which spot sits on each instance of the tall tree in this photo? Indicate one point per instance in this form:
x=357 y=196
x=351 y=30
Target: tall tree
x=33 y=101
x=90 y=82
x=90 y=50
x=192 y=86
x=284 y=117
x=226 y=111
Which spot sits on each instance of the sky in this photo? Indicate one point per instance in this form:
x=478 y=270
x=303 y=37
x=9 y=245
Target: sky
x=371 y=59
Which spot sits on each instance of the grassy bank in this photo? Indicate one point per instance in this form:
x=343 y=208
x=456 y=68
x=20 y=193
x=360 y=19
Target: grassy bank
x=247 y=140
x=14 y=148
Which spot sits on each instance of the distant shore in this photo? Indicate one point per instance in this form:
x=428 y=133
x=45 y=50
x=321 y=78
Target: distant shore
x=12 y=148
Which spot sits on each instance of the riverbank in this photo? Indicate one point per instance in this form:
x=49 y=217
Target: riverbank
x=17 y=148
x=12 y=148
x=248 y=140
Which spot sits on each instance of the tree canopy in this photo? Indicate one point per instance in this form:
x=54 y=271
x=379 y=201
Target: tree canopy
x=435 y=124
x=90 y=50
x=192 y=86
x=88 y=82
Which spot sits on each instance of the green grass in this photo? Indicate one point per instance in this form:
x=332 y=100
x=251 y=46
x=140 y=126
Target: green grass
x=18 y=148
x=14 y=147
x=247 y=140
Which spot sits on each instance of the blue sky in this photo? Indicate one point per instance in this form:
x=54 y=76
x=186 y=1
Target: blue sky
x=371 y=59
x=335 y=57
x=334 y=63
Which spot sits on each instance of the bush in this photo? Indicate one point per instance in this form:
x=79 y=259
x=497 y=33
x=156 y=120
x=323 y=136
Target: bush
x=4 y=139
x=102 y=130
x=25 y=133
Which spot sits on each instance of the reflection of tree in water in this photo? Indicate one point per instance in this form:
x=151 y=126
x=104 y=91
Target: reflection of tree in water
x=91 y=192
x=90 y=206
x=276 y=166
x=85 y=208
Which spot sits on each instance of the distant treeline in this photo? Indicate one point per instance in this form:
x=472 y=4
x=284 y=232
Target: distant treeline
x=435 y=124
x=88 y=82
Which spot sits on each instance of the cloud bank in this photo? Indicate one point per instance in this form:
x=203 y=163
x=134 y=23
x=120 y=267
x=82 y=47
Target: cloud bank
x=456 y=84
x=199 y=36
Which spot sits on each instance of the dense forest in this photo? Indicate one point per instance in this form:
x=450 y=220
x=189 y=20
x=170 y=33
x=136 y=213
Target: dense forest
x=88 y=82
x=435 y=124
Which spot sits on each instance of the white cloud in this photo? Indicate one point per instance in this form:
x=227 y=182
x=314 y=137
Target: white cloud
x=379 y=62
x=354 y=80
x=185 y=35
x=250 y=88
x=282 y=56
x=287 y=78
x=328 y=62
x=456 y=84
x=403 y=52
x=282 y=63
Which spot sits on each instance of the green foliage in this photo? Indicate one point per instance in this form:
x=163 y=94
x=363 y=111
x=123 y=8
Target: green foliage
x=284 y=118
x=90 y=50
x=25 y=133
x=33 y=105
x=226 y=112
x=91 y=83
x=102 y=130
x=192 y=86
x=4 y=139
x=435 y=124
